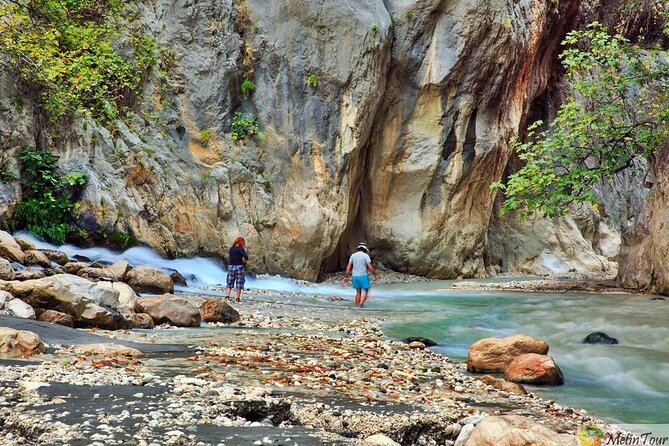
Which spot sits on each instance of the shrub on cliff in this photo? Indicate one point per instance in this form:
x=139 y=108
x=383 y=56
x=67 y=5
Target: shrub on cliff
x=71 y=53
x=618 y=111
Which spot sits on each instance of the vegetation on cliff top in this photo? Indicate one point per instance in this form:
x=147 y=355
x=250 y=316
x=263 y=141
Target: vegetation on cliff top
x=618 y=112
x=74 y=55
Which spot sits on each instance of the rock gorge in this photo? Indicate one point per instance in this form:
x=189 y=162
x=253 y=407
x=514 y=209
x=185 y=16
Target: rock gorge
x=381 y=120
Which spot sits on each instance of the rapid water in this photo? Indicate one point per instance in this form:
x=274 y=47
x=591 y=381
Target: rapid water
x=626 y=383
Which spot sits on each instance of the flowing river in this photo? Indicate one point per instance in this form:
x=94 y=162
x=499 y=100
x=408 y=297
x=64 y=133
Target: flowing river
x=626 y=383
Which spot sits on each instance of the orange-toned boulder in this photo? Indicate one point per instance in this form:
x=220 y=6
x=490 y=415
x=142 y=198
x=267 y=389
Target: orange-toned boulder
x=532 y=368
x=20 y=342
x=9 y=249
x=145 y=279
x=35 y=257
x=492 y=355
x=142 y=320
x=516 y=430
x=503 y=385
x=215 y=310
x=170 y=309
x=54 y=317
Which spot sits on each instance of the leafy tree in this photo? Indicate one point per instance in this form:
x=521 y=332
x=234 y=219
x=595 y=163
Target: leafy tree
x=618 y=112
x=69 y=52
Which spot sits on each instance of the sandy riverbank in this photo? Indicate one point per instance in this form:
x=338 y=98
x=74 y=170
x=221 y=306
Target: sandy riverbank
x=292 y=371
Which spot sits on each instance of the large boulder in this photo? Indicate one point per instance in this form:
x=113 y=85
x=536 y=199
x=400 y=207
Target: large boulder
x=20 y=342
x=120 y=268
x=491 y=355
x=18 y=308
x=9 y=249
x=29 y=273
x=142 y=320
x=215 y=310
x=35 y=257
x=170 y=309
x=106 y=350
x=54 y=317
x=532 y=368
x=145 y=279
x=101 y=317
x=127 y=299
x=6 y=270
x=63 y=292
x=516 y=430
x=56 y=256
x=74 y=267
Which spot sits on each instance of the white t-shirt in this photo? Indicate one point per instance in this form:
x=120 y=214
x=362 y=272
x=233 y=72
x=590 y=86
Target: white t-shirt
x=359 y=259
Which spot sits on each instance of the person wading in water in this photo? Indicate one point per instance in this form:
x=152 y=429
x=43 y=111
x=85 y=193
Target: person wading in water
x=238 y=259
x=359 y=264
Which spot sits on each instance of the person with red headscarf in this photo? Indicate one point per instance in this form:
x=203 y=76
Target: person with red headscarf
x=238 y=258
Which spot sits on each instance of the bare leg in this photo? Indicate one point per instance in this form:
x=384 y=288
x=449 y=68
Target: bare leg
x=227 y=293
x=238 y=292
x=365 y=294
x=357 y=297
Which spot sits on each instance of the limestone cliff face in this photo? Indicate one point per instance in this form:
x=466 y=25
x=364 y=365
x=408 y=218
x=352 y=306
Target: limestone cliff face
x=381 y=120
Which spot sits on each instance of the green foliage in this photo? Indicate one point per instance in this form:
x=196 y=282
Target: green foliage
x=244 y=125
x=48 y=205
x=205 y=136
x=312 y=80
x=69 y=51
x=375 y=28
x=247 y=87
x=618 y=112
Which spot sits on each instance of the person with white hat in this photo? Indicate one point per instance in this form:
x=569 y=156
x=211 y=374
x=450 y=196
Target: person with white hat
x=359 y=264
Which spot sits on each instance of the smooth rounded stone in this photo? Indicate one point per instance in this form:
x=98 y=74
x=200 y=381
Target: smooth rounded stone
x=18 y=308
x=25 y=244
x=494 y=354
x=415 y=345
x=95 y=315
x=54 y=317
x=216 y=310
x=516 y=430
x=74 y=267
x=142 y=320
x=35 y=257
x=120 y=269
x=465 y=433
x=178 y=278
x=170 y=309
x=5 y=297
x=127 y=298
x=56 y=256
x=106 y=350
x=599 y=337
x=427 y=341
x=6 y=269
x=9 y=249
x=96 y=274
x=532 y=368
x=145 y=279
x=380 y=440
x=29 y=273
x=506 y=386
x=20 y=342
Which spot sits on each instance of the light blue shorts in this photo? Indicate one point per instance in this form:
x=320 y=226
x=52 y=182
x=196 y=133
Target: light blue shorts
x=360 y=282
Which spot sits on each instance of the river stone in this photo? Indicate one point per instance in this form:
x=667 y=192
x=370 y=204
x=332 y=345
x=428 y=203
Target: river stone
x=95 y=315
x=26 y=245
x=97 y=274
x=532 y=368
x=106 y=350
x=142 y=320
x=4 y=298
x=9 y=249
x=380 y=440
x=6 y=269
x=145 y=279
x=35 y=257
x=127 y=299
x=29 y=273
x=178 y=278
x=599 y=337
x=416 y=345
x=503 y=385
x=516 y=430
x=215 y=310
x=170 y=309
x=63 y=292
x=427 y=341
x=56 y=256
x=490 y=355
x=18 y=308
x=20 y=342
x=120 y=269
x=74 y=267
x=54 y=317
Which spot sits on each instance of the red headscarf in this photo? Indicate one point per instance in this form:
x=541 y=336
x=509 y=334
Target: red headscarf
x=239 y=241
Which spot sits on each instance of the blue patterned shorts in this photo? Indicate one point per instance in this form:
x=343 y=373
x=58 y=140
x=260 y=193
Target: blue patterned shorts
x=235 y=277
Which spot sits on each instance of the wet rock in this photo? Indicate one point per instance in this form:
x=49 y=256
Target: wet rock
x=74 y=267
x=216 y=310
x=34 y=257
x=120 y=269
x=145 y=279
x=178 y=278
x=97 y=274
x=26 y=245
x=599 y=337
x=503 y=385
x=170 y=309
x=29 y=273
x=99 y=316
x=20 y=342
x=380 y=440
x=6 y=269
x=427 y=341
x=417 y=345
x=18 y=308
x=54 y=317
x=56 y=256
x=494 y=354
x=106 y=350
x=142 y=320
x=532 y=368
x=9 y=249
x=516 y=430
